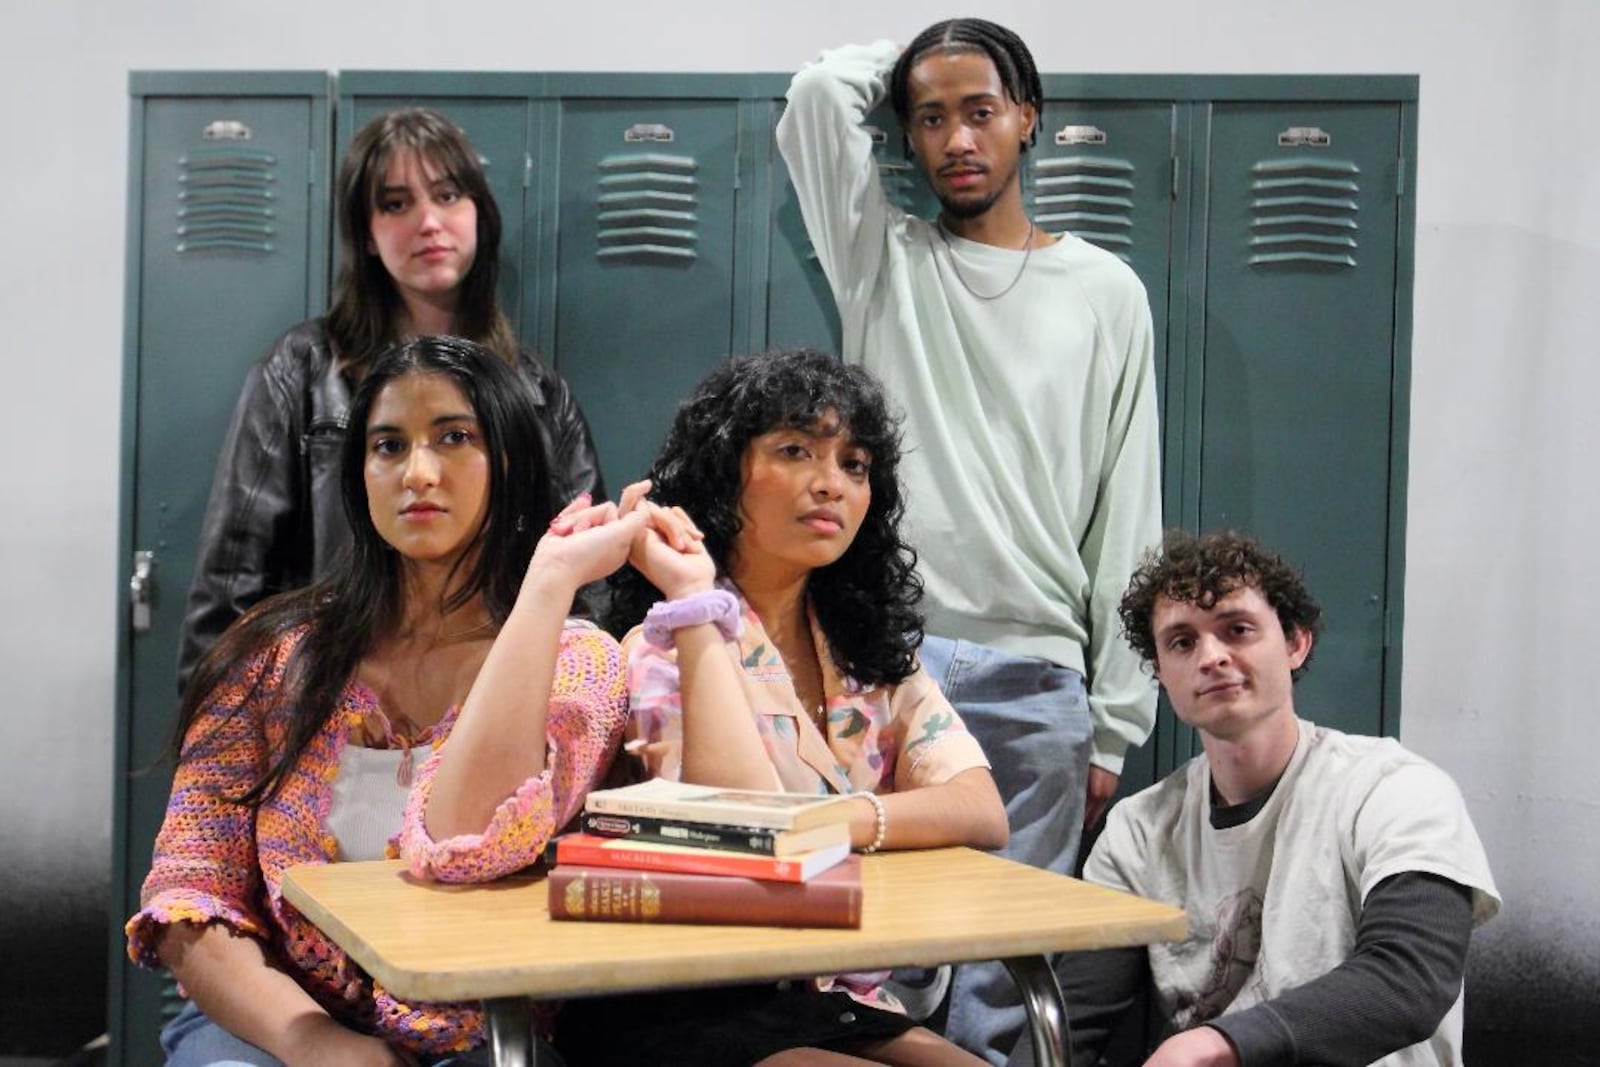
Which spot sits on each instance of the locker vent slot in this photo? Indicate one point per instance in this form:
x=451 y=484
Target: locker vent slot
x=1090 y=197
x=1304 y=210
x=899 y=179
x=172 y=1001
x=226 y=200
x=647 y=208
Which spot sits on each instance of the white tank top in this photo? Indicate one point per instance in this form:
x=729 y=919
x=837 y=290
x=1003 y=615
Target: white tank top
x=369 y=799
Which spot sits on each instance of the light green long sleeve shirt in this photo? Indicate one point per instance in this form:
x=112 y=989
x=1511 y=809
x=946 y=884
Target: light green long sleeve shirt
x=1032 y=459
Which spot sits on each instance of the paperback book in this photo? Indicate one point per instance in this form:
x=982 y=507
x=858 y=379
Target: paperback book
x=660 y=798
x=761 y=841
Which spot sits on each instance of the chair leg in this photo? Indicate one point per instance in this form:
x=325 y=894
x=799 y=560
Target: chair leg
x=1047 y=1011
x=511 y=1040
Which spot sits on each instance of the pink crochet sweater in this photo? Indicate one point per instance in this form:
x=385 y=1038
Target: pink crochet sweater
x=217 y=861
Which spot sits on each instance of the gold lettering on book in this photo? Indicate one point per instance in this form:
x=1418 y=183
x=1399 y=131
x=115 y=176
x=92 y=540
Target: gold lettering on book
x=574 y=896
x=597 y=896
x=649 y=898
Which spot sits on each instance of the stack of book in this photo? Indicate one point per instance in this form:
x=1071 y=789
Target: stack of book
x=663 y=851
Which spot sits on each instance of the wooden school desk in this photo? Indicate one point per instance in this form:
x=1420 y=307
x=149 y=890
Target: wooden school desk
x=497 y=943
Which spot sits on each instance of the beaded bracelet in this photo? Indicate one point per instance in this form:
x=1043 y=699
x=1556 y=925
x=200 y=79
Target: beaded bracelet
x=883 y=823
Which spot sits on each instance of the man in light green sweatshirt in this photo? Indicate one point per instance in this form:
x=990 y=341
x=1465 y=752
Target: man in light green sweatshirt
x=1024 y=363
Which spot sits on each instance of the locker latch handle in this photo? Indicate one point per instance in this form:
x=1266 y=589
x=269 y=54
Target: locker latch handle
x=1304 y=137
x=141 y=589
x=1071 y=135
x=658 y=132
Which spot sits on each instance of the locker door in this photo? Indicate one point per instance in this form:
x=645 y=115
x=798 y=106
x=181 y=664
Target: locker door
x=800 y=307
x=1297 y=419
x=226 y=239
x=644 y=278
x=1102 y=171
x=499 y=132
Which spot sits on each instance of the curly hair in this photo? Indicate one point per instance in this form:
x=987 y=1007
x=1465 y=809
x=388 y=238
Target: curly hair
x=866 y=600
x=1203 y=570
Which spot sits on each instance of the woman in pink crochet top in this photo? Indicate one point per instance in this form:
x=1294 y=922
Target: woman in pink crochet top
x=299 y=732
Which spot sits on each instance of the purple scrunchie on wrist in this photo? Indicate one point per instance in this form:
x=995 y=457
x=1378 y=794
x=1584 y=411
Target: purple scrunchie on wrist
x=713 y=605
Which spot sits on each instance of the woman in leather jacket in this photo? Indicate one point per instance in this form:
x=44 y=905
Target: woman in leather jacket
x=419 y=234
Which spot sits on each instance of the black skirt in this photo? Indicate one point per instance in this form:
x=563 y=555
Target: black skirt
x=728 y=1026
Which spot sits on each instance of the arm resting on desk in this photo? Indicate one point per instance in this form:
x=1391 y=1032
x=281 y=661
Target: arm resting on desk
x=543 y=717
x=585 y=720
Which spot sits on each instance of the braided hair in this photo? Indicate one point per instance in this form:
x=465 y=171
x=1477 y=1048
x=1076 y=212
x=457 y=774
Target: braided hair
x=1011 y=59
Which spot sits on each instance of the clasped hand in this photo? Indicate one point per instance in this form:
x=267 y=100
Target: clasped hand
x=587 y=541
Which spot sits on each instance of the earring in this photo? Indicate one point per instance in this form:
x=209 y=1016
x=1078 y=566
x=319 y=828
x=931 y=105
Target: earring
x=522 y=524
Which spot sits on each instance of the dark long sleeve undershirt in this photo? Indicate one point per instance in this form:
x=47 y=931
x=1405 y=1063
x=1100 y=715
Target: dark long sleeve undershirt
x=1398 y=982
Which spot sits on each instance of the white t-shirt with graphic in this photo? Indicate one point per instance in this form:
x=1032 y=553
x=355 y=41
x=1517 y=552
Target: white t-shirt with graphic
x=1275 y=902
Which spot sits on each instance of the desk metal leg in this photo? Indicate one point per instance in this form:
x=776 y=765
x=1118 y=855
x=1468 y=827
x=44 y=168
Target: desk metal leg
x=511 y=1040
x=1047 y=1011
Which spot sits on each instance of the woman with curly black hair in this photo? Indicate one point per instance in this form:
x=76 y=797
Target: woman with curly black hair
x=779 y=653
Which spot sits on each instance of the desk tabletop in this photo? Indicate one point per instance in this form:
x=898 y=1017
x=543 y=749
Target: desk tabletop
x=436 y=942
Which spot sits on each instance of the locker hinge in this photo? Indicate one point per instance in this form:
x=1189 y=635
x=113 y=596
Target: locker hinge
x=1400 y=178
x=311 y=169
x=1174 y=177
x=527 y=170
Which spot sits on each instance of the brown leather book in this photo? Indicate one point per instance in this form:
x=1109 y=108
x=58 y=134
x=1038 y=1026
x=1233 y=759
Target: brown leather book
x=608 y=894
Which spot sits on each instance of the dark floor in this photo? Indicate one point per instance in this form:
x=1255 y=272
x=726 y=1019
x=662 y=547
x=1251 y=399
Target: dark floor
x=55 y=970
x=1484 y=1049
x=91 y=1055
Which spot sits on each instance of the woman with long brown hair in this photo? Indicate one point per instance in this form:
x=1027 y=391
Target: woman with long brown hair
x=419 y=234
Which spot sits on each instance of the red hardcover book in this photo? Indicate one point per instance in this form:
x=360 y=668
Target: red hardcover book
x=593 y=851
x=613 y=894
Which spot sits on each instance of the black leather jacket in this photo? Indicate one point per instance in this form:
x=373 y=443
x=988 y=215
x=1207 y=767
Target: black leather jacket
x=275 y=520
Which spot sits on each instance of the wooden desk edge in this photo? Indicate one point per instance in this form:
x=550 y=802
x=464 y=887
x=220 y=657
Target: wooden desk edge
x=547 y=980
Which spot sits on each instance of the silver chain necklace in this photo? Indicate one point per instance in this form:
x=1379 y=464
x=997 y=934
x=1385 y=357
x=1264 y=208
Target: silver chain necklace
x=1027 y=254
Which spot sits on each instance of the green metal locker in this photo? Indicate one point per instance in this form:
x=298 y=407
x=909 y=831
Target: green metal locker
x=227 y=198
x=1298 y=367
x=645 y=264
x=1103 y=170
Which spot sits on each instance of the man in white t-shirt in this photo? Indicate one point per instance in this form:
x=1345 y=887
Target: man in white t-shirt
x=1331 y=881
x=1023 y=361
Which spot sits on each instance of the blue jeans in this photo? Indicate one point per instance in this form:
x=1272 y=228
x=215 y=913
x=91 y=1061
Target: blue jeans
x=1032 y=719
x=193 y=1040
